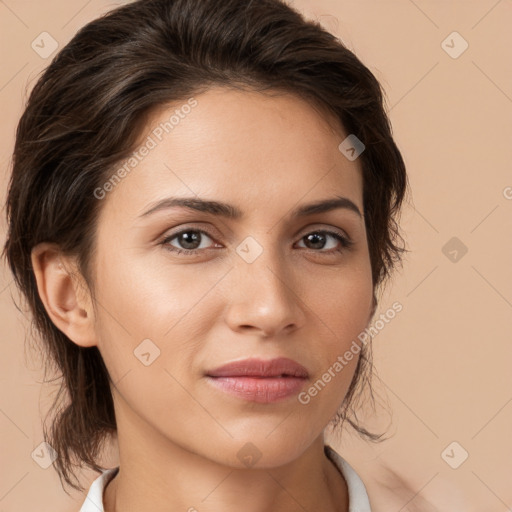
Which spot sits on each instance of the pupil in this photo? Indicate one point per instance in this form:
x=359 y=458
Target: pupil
x=190 y=237
x=314 y=237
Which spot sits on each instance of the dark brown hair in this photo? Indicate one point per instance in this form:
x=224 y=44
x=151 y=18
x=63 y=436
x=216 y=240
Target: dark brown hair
x=84 y=116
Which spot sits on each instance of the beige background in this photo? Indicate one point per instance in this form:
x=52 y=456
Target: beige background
x=444 y=361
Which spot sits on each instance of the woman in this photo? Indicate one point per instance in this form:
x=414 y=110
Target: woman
x=201 y=210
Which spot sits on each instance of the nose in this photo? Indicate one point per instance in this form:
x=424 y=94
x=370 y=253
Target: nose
x=264 y=297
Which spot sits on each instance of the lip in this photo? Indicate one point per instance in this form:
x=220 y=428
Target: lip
x=261 y=381
x=281 y=366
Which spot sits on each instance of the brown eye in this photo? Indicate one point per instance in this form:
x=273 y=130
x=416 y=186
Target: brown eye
x=317 y=240
x=189 y=241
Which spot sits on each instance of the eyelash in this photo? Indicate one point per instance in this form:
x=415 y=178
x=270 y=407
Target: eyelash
x=345 y=242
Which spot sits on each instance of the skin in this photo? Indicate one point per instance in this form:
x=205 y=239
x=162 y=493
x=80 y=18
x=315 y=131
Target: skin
x=179 y=437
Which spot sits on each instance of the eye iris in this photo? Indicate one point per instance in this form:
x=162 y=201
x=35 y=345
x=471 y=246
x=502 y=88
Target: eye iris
x=189 y=237
x=314 y=239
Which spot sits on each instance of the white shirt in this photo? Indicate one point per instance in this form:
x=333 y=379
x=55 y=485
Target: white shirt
x=357 y=496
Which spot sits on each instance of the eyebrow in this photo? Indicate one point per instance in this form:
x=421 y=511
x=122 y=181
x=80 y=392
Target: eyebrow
x=232 y=212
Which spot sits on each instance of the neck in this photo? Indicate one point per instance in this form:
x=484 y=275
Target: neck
x=312 y=482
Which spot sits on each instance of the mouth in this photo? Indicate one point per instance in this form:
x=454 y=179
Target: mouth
x=258 y=368
x=259 y=381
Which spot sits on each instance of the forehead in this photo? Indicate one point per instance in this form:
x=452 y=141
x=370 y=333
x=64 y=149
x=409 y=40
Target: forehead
x=239 y=146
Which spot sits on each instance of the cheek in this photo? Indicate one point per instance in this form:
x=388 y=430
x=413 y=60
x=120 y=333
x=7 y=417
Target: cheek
x=343 y=306
x=146 y=305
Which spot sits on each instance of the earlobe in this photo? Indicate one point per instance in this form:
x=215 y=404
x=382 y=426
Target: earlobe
x=63 y=294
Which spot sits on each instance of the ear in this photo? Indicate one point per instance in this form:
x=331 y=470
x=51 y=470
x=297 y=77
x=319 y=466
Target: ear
x=64 y=294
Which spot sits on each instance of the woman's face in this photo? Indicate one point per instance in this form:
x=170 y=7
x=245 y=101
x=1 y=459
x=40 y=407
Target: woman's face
x=259 y=285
